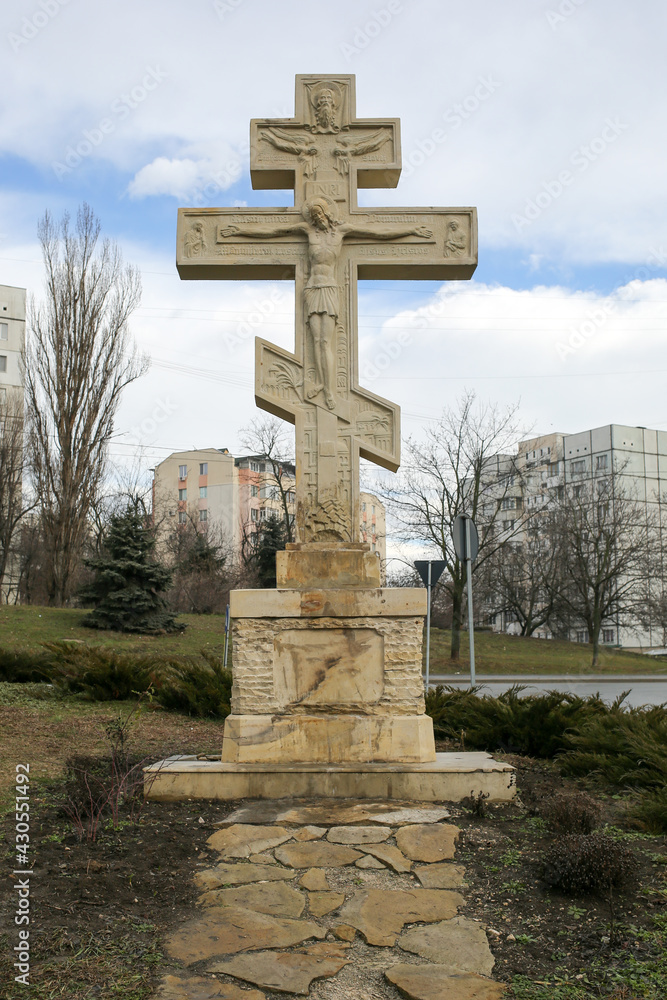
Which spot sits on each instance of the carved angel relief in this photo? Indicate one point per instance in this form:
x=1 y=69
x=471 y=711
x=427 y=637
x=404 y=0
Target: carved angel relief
x=348 y=147
x=300 y=145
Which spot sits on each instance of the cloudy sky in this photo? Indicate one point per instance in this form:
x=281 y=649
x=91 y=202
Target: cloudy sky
x=550 y=118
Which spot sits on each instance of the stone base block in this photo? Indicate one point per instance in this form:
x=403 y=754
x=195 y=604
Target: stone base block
x=450 y=778
x=328 y=739
x=312 y=565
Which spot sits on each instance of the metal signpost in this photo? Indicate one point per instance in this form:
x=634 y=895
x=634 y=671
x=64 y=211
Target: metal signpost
x=466 y=546
x=430 y=570
x=226 y=634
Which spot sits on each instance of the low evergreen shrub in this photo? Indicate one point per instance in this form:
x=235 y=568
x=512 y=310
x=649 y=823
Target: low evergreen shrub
x=195 y=688
x=19 y=667
x=534 y=724
x=98 y=674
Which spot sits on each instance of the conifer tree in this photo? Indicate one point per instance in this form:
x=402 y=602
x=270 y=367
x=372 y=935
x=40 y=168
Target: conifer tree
x=272 y=539
x=128 y=586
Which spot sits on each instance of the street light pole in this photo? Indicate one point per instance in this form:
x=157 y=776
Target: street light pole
x=471 y=628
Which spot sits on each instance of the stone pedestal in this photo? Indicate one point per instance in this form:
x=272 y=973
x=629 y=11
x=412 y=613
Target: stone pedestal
x=328 y=696
x=328 y=668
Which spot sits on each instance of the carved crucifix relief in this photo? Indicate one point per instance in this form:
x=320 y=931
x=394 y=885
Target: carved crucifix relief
x=325 y=243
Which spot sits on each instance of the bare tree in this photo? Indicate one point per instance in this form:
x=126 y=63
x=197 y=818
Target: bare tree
x=77 y=360
x=268 y=438
x=602 y=534
x=461 y=466
x=13 y=502
x=523 y=577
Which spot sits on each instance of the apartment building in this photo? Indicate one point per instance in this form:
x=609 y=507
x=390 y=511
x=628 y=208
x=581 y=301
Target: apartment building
x=12 y=339
x=633 y=460
x=232 y=496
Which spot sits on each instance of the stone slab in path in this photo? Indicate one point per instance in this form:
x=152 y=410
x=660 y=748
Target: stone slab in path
x=434 y=982
x=275 y=898
x=199 y=988
x=459 y=944
x=226 y=930
x=358 y=834
x=320 y=903
x=391 y=857
x=241 y=840
x=226 y=874
x=380 y=914
x=440 y=876
x=287 y=972
x=328 y=812
x=428 y=842
x=316 y=854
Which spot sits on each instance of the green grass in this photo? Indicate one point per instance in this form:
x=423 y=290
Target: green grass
x=503 y=654
x=24 y=627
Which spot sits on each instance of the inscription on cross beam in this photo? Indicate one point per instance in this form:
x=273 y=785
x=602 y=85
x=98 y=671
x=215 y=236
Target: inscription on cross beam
x=325 y=243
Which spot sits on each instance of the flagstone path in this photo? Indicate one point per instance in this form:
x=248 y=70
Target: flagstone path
x=330 y=900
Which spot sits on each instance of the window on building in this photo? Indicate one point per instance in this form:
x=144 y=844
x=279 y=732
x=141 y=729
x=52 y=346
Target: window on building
x=257 y=466
x=508 y=525
x=579 y=466
x=582 y=636
x=254 y=491
x=203 y=468
x=262 y=514
x=4 y=331
x=601 y=462
x=3 y=362
x=576 y=491
x=603 y=511
x=254 y=514
x=203 y=492
x=203 y=515
x=291 y=496
x=372 y=508
x=608 y=635
x=182 y=472
x=182 y=517
x=363 y=508
x=3 y=395
x=182 y=494
x=509 y=503
x=372 y=546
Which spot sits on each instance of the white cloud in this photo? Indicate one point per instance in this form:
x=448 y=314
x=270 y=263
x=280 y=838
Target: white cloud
x=177 y=178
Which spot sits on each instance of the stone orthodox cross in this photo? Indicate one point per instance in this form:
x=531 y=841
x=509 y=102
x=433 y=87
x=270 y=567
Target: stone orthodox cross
x=325 y=242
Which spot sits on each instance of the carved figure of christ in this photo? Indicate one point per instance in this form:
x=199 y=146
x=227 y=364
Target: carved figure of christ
x=325 y=243
x=323 y=289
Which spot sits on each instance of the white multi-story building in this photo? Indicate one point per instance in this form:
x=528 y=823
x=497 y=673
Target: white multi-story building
x=634 y=459
x=12 y=339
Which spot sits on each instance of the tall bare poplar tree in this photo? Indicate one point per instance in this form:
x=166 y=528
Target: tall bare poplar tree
x=78 y=358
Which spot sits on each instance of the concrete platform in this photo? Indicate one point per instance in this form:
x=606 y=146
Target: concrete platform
x=450 y=778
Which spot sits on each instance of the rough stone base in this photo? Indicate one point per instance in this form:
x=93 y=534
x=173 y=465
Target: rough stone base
x=450 y=778
x=328 y=739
